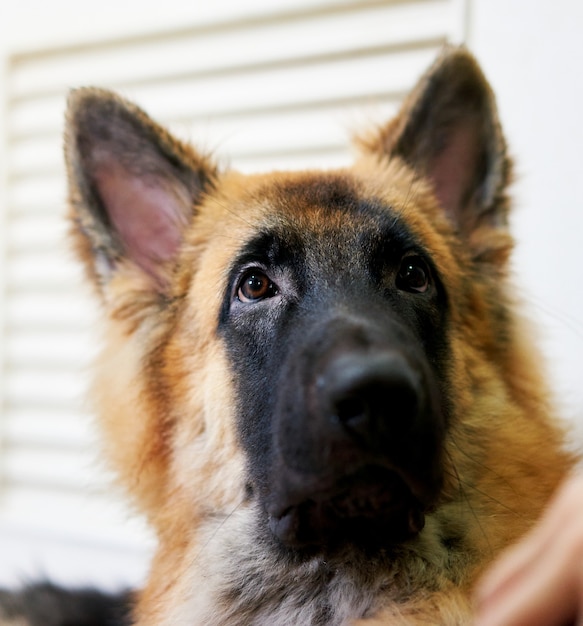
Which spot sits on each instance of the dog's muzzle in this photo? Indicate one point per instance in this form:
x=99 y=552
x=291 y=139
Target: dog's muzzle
x=358 y=449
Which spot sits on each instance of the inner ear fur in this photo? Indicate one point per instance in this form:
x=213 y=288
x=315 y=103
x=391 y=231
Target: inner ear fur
x=449 y=132
x=133 y=188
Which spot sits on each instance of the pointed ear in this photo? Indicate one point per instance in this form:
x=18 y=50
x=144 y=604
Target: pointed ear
x=448 y=131
x=133 y=188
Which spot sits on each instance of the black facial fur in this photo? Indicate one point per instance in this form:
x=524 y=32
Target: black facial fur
x=340 y=374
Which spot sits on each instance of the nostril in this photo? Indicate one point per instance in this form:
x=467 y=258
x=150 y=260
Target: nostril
x=351 y=410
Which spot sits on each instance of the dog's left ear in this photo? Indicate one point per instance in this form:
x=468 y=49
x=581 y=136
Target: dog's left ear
x=133 y=188
x=449 y=132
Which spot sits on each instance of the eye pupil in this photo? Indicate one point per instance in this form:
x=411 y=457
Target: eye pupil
x=413 y=275
x=255 y=286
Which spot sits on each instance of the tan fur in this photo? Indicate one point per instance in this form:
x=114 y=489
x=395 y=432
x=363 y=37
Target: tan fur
x=164 y=396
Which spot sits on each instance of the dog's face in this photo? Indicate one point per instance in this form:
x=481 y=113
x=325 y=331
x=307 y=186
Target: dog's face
x=313 y=370
x=334 y=320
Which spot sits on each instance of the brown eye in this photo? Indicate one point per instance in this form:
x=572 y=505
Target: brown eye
x=414 y=275
x=255 y=286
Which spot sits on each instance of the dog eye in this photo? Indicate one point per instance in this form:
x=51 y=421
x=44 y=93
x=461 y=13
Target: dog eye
x=413 y=275
x=256 y=286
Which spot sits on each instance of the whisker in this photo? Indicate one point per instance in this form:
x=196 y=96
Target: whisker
x=465 y=498
x=469 y=485
x=503 y=479
x=216 y=531
x=574 y=324
x=230 y=211
x=478 y=463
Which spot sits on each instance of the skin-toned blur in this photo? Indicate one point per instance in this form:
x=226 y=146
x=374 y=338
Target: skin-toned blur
x=540 y=580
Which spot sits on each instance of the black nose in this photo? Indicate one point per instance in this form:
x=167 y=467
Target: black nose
x=375 y=397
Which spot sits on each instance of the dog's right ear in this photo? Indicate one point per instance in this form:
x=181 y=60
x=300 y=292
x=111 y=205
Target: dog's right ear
x=133 y=189
x=449 y=133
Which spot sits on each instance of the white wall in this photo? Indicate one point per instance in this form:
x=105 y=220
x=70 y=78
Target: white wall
x=532 y=51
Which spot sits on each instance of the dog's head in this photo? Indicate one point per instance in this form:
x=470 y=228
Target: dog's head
x=314 y=348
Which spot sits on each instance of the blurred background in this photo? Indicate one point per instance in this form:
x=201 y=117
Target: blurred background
x=264 y=85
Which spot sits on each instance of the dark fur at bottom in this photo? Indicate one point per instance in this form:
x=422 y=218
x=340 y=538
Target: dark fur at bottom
x=46 y=604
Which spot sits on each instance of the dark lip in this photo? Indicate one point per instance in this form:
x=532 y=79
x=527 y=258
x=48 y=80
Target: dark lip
x=371 y=507
x=382 y=477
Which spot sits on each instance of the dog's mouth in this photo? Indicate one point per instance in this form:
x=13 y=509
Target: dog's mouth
x=371 y=508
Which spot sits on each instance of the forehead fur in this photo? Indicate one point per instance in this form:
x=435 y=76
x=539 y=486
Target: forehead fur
x=312 y=202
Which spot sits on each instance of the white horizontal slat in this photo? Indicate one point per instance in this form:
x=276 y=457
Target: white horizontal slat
x=36 y=117
x=77 y=515
x=48 y=427
x=239 y=46
x=34 y=387
x=35 y=153
x=59 y=310
x=66 y=348
x=46 y=193
x=36 y=231
x=293 y=132
x=63 y=468
x=45 y=271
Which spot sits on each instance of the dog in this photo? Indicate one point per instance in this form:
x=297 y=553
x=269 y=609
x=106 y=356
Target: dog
x=317 y=386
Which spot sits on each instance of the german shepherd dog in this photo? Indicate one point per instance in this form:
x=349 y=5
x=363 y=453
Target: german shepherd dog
x=315 y=385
